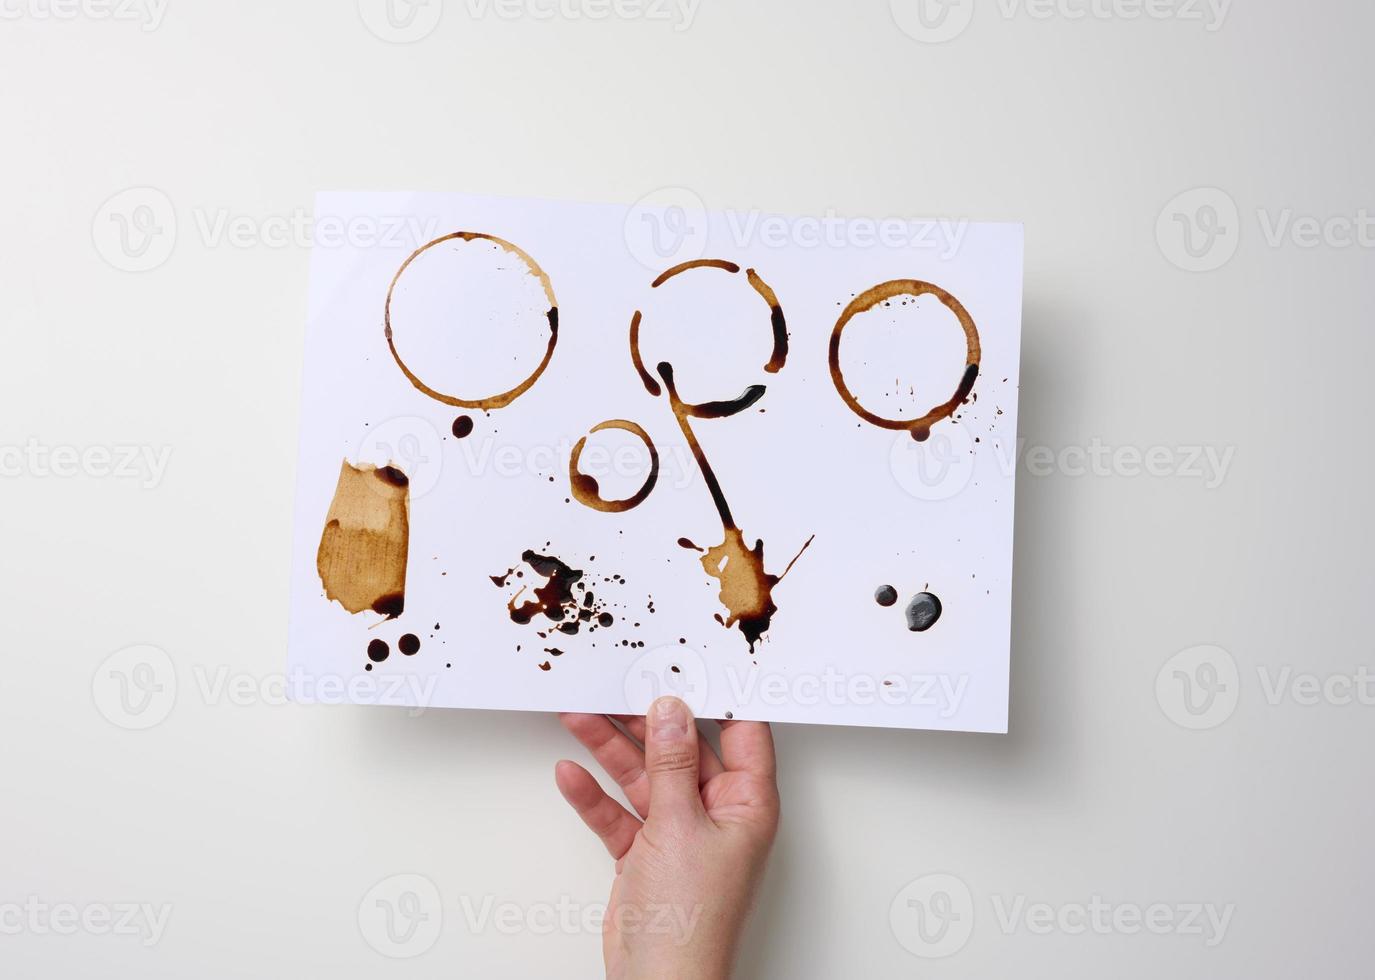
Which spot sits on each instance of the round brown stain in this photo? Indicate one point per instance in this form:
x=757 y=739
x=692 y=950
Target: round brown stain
x=491 y=401
x=378 y=651
x=588 y=491
x=409 y=644
x=883 y=292
x=463 y=427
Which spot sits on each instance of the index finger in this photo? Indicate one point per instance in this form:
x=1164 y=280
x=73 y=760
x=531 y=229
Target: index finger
x=747 y=746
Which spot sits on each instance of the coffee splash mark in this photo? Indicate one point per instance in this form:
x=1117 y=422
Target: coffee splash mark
x=554 y=599
x=746 y=587
x=885 y=595
x=363 y=549
x=920 y=429
x=588 y=491
x=491 y=401
x=409 y=645
x=463 y=427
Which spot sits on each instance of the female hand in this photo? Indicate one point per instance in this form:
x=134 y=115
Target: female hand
x=688 y=868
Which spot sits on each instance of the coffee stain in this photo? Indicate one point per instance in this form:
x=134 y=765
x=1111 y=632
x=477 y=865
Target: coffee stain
x=363 y=549
x=923 y=612
x=746 y=587
x=554 y=599
x=491 y=401
x=463 y=427
x=378 y=651
x=885 y=595
x=409 y=645
x=588 y=491
x=777 y=359
x=920 y=429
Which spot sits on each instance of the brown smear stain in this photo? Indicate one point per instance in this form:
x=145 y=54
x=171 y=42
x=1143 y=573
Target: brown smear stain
x=363 y=550
x=882 y=293
x=746 y=587
x=492 y=401
x=588 y=491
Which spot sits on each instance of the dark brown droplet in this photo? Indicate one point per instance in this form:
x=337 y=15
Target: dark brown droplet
x=885 y=595
x=378 y=651
x=409 y=644
x=606 y=619
x=463 y=427
x=923 y=612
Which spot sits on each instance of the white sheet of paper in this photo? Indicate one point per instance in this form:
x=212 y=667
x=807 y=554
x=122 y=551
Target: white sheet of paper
x=880 y=508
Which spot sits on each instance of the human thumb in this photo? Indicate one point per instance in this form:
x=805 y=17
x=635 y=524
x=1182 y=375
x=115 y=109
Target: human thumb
x=671 y=759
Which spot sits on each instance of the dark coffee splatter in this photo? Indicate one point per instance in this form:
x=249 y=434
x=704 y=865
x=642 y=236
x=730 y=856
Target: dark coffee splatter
x=378 y=651
x=885 y=595
x=463 y=427
x=409 y=644
x=923 y=612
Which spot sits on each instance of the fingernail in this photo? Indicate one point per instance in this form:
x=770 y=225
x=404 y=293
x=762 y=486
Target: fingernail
x=670 y=718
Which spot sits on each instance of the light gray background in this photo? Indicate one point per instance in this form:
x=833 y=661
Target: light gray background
x=264 y=826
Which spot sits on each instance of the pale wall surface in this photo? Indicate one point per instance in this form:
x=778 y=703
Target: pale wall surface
x=264 y=826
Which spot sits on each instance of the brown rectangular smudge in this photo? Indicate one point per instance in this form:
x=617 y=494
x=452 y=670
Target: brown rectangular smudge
x=362 y=556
